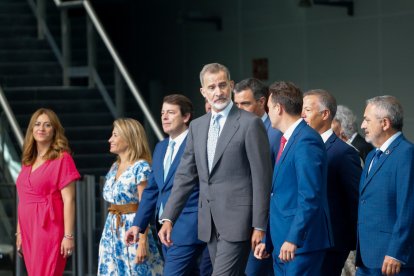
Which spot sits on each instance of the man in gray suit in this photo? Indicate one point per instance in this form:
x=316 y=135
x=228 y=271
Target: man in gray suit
x=228 y=150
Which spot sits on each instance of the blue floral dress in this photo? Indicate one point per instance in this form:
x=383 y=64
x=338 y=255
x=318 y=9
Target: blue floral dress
x=115 y=257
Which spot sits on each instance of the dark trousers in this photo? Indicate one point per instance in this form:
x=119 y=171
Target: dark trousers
x=333 y=262
x=307 y=264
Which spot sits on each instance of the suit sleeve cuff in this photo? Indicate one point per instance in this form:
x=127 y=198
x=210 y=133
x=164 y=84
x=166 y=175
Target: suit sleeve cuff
x=164 y=220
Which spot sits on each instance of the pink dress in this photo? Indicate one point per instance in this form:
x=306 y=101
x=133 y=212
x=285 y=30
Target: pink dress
x=40 y=214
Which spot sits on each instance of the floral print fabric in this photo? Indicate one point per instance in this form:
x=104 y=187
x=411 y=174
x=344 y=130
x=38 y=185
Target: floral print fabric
x=115 y=257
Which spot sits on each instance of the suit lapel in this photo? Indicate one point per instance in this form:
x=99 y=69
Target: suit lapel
x=331 y=140
x=229 y=129
x=202 y=133
x=158 y=163
x=286 y=150
x=378 y=165
x=175 y=163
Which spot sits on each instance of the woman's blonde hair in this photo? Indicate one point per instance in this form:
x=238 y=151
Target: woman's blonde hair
x=59 y=143
x=134 y=135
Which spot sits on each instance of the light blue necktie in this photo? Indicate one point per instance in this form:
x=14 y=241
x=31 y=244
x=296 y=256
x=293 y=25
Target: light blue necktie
x=169 y=158
x=167 y=165
x=213 y=134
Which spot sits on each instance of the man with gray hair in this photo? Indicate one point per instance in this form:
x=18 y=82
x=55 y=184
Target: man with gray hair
x=344 y=172
x=228 y=152
x=386 y=205
x=345 y=127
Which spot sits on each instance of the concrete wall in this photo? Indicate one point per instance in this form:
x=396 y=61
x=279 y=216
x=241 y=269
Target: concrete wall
x=355 y=58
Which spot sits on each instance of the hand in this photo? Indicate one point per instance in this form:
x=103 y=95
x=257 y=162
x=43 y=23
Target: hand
x=131 y=236
x=141 y=251
x=287 y=252
x=257 y=237
x=66 y=247
x=19 y=244
x=260 y=252
x=165 y=233
x=390 y=266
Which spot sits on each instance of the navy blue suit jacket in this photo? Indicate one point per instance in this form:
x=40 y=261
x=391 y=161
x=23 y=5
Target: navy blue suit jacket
x=386 y=207
x=157 y=192
x=298 y=206
x=274 y=136
x=344 y=173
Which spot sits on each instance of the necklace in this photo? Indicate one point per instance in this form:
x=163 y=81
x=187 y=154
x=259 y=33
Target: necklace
x=41 y=155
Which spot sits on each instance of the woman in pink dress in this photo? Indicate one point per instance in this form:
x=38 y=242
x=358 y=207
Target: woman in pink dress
x=46 y=190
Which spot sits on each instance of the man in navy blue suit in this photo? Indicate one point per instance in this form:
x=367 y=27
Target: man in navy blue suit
x=386 y=191
x=181 y=257
x=251 y=95
x=344 y=173
x=299 y=216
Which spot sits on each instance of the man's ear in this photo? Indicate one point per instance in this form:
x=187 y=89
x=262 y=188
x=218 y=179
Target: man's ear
x=326 y=114
x=262 y=102
x=202 y=92
x=187 y=117
x=386 y=123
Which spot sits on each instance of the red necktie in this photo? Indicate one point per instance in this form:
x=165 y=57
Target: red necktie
x=281 y=147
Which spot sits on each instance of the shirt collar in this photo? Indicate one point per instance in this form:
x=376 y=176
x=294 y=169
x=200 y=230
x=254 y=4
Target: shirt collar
x=325 y=136
x=224 y=113
x=264 y=117
x=387 y=143
x=350 y=140
x=290 y=130
x=179 y=139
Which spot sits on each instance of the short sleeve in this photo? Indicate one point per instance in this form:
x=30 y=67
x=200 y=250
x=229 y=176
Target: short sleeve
x=67 y=171
x=141 y=171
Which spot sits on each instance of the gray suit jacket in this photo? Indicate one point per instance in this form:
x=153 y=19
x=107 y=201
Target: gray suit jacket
x=235 y=195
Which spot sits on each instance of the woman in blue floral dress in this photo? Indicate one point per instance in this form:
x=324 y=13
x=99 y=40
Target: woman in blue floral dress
x=123 y=188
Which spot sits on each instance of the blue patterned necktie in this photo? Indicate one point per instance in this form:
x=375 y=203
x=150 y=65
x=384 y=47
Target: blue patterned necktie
x=377 y=156
x=168 y=159
x=213 y=134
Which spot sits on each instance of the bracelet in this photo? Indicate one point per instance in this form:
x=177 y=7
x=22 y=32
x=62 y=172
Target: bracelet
x=69 y=236
x=17 y=233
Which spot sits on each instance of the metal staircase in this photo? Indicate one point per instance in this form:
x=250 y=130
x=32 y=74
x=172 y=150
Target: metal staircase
x=85 y=91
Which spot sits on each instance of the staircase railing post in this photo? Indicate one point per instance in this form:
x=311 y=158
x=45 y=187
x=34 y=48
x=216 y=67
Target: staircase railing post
x=91 y=40
x=66 y=41
x=80 y=207
x=41 y=15
x=119 y=93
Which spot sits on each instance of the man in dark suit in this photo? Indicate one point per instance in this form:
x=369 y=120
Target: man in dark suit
x=386 y=191
x=345 y=127
x=228 y=151
x=251 y=95
x=344 y=173
x=299 y=215
x=180 y=258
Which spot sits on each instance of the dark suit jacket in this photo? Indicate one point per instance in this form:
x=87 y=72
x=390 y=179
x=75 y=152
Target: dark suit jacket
x=386 y=207
x=362 y=146
x=298 y=206
x=274 y=136
x=344 y=173
x=158 y=191
x=235 y=195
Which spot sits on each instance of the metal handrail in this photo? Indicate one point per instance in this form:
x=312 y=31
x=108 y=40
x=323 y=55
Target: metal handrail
x=11 y=118
x=115 y=56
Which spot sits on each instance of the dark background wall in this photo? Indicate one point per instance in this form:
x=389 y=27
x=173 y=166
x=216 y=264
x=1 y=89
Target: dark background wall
x=165 y=44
